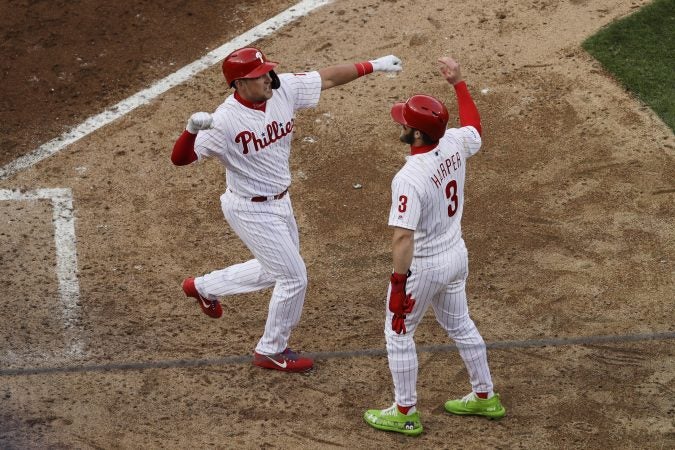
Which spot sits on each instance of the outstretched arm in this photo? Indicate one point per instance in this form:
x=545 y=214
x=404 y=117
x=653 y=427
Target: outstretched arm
x=340 y=74
x=468 y=113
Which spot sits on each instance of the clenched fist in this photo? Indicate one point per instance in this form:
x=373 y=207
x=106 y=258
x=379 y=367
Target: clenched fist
x=399 y=302
x=450 y=70
x=199 y=121
x=389 y=63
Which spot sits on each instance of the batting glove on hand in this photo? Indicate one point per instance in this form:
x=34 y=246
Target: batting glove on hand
x=399 y=302
x=199 y=121
x=398 y=323
x=389 y=63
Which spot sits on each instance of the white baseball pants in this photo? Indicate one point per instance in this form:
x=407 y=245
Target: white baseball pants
x=443 y=287
x=270 y=232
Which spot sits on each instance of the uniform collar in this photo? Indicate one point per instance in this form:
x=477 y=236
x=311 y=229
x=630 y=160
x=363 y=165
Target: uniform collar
x=246 y=103
x=422 y=149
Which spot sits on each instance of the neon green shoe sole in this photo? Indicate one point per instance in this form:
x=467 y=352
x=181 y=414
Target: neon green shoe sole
x=393 y=420
x=491 y=408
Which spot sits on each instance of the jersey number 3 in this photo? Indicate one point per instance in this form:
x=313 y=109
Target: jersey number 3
x=451 y=194
x=402 y=203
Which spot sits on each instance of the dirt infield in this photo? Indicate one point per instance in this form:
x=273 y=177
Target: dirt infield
x=568 y=220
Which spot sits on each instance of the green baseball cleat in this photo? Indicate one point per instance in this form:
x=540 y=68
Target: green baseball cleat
x=391 y=419
x=472 y=405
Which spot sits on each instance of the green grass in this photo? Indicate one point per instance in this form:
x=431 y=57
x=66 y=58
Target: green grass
x=639 y=51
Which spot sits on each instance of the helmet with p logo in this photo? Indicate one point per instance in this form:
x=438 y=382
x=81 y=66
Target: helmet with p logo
x=248 y=62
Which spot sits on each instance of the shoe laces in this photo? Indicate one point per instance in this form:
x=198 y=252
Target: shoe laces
x=391 y=411
x=469 y=398
x=289 y=354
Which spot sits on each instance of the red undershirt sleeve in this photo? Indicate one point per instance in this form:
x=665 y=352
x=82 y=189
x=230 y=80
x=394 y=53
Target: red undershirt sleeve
x=468 y=113
x=184 y=149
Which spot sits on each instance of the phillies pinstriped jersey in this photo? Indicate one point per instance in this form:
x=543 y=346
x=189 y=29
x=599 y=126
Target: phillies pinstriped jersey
x=428 y=192
x=255 y=145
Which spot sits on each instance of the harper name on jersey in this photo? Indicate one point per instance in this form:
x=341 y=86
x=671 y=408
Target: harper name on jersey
x=428 y=192
x=446 y=168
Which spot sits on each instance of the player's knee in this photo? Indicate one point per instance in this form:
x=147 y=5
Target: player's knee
x=394 y=340
x=467 y=335
x=458 y=327
x=301 y=275
x=296 y=276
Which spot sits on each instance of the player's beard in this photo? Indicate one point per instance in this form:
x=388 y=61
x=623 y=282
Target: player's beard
x=407 y=136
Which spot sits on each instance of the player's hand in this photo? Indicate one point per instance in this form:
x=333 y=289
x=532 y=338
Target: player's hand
x=389 y=63
x=199 y=121
x=398 y=324
x=408 y=304
x=450 y=69
x=399 y=302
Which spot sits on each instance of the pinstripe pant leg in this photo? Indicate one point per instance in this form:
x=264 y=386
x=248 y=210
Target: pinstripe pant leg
x=236 y=279
x=401 y=350
x=270 y=232
x=453 y=314
x=402 y=358
x=288 y=296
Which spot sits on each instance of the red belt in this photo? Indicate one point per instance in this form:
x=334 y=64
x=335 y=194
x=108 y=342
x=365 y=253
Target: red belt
x=273 y=197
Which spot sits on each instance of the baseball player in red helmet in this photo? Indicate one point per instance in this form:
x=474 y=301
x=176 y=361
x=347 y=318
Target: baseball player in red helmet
x=429 y=255
x=250 y=133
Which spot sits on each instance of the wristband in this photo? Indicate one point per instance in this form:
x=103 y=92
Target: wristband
x=364 y=68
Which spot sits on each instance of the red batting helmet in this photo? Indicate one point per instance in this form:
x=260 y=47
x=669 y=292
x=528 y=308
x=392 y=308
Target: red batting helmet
x=248 y=62
x=424 y=113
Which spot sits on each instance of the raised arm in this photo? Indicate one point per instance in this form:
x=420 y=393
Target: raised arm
x=468 y=113
x=340 y=74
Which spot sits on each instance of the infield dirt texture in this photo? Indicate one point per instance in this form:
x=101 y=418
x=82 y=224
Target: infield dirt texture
x=569 y=221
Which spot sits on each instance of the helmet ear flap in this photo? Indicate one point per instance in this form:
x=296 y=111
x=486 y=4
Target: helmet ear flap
x=276 y=83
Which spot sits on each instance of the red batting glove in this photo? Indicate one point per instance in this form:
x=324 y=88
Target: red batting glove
x=397 y=296
x=398 y=323
x=408 y=304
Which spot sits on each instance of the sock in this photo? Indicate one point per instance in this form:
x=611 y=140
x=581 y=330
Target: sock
x=483 y=395
x=406 y=409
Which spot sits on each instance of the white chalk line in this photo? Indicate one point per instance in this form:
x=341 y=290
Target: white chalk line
x=146 y=95
x=66 y=255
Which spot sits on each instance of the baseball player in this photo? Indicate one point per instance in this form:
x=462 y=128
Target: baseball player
x=250 y=133
x=429 y=255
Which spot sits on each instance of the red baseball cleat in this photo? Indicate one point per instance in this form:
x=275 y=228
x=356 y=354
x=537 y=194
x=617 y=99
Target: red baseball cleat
x=211 y=308
x=286 y=361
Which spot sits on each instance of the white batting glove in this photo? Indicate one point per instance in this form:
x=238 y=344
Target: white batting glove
x=389 y=63
x=199 y=121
